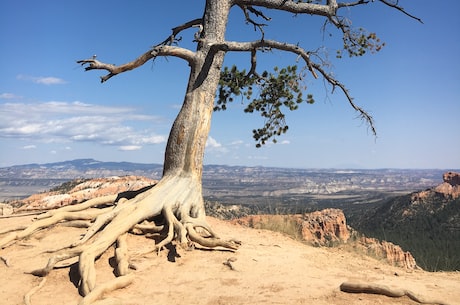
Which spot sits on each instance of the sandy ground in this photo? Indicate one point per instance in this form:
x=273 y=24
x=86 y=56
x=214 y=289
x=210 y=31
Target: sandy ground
x=269 y=269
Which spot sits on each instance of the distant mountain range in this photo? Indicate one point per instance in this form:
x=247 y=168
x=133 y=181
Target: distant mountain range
x=79 y=168
x=90 y=168
x=226 y=183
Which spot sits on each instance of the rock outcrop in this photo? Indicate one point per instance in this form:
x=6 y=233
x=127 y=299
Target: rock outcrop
x=451 y=185
x=328 y=228
x=393 y=254
x=321 y=228
x=324 y=227
x=81 y=191
x=449 y=189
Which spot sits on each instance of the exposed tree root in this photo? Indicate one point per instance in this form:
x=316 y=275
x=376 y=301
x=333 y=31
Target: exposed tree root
x=174 y=207
x=98 y=291
x=32 y=291
x=109 y=199
x=372 y=288
x=45 y=223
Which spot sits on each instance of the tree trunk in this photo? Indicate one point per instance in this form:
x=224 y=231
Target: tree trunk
x=186 y=144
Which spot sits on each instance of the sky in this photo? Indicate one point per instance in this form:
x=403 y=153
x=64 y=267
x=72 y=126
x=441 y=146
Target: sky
x=51 y=110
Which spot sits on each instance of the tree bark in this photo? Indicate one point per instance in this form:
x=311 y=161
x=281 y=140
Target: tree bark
x=186 y=144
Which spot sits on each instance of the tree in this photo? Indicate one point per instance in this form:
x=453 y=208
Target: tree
x=177 y=197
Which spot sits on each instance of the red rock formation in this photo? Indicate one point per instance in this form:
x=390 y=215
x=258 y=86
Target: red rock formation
x=327 y=228
x=452 y=178
x=391 y=252
x=83 y=191
x=451 y=185
x=320 y=228
x=324 y=227
x=449 y=189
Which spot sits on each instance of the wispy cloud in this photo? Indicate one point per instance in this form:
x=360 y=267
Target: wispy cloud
x=29 y=147
x=213 y=146
x=43 y=80
x=79 y=122
x=129 y=147
x=212 y=143
x=8 y=96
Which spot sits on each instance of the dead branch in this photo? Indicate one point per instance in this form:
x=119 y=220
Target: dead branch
x=296 y=7
x=164 y=48
x=335 y=83
x=372 y=288
x=250 y=9
x=401 y=9
x=94 y=64
x=173 y=37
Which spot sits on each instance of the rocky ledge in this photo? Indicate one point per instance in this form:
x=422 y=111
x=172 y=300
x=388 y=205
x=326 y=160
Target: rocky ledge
x=80 y=190
x=328 y=228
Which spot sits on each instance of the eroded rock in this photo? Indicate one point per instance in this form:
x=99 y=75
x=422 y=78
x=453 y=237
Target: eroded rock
x=83 y=191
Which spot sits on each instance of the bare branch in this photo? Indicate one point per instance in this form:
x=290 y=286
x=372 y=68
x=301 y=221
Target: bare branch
x=253 y=71
x=164 y=48
x=335 y=83
x=264 y=44
x=113 y=70
x=257 y=13
x=399 y=8
x=172 y=38
x=293 y=6
x=348 y=4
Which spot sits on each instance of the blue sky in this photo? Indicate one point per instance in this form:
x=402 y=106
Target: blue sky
x=51 y=110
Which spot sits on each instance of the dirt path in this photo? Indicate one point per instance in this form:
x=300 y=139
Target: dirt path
x=269 y=268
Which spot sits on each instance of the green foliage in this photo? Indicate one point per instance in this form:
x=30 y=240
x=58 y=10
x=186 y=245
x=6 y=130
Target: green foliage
x=358 y=42
x=428 y=229
x=278 y=91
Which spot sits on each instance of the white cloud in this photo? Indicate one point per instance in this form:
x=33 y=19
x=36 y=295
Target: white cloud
x=285 y=142
x=29 y=147
x=212 y=143
x=129 y=147
x=8 y=96
x=215 y=147
x=43 y=80
x=60 y=122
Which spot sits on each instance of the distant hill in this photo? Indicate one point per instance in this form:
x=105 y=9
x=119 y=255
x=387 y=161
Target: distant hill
x=79 y=168
x=425 y=223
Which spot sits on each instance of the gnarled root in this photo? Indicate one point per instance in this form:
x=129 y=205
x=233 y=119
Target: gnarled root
x=358 y=287
x=176 y=201
x=98 y=291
